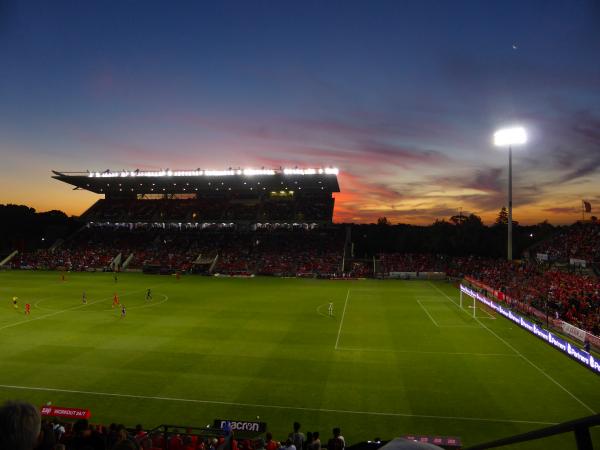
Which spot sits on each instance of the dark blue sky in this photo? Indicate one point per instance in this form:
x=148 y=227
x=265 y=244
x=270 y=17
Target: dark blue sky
x=402 y=96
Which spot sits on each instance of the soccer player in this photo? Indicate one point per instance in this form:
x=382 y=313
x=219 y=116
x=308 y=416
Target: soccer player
x=115 y=276
x=115 y=300
x=330 y=309
x=149 y=294
x=15 y=301
x=27 y=309
x=84 y=298
x=123 y=311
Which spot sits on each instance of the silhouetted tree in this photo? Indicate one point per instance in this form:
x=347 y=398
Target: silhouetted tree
x=502 y=218
x=383 y=221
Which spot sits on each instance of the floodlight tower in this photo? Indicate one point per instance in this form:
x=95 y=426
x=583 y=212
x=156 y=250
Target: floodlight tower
x=502 y=138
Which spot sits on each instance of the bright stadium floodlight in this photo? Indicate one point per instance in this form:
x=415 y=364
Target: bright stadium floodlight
x=502 y=138
x=510 y=136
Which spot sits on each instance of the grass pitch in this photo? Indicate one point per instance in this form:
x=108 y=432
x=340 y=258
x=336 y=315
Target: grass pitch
x=397 y=357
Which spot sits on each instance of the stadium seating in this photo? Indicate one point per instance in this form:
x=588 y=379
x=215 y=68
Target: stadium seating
x=579 y=241
x=573 y=297
x=288 y=251
x=307 y=209
x=306 y=252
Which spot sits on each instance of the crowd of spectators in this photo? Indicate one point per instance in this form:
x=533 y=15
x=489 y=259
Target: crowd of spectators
x=306 y=208
x=564 y=293
x=277 y=251
x=22 y=428
x=408 y=262
x=572 y=296
x=579 y=241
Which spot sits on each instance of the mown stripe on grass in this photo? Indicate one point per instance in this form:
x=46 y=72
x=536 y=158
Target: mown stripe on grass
x=258 y=405
x=424 y=352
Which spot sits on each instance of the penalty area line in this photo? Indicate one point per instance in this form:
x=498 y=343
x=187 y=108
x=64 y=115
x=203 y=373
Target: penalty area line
x=285 y=407
x=427 y=312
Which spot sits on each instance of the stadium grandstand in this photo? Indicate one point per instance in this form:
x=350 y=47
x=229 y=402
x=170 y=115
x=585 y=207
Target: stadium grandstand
x=252 y=197
x=279 y=223
x=233 y=222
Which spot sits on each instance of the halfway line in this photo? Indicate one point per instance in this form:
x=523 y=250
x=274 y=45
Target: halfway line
x=342 y=321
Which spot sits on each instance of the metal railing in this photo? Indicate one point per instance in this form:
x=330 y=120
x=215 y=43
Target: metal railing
x=580 y=427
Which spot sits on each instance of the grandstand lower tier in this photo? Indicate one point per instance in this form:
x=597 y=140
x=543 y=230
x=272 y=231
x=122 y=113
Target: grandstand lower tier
x=573 y=296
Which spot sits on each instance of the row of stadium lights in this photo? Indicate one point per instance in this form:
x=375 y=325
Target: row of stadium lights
x=187 y=184
x=213 y=173
x=264 y=189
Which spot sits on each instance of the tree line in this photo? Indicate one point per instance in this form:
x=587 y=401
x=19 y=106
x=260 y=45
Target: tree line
x=460 y=235
x=23 y=228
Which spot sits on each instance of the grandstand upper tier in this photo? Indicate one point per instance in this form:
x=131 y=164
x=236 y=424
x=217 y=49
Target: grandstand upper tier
x=208 y=196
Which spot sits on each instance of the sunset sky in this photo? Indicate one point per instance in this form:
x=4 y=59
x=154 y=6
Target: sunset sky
x=402 y=96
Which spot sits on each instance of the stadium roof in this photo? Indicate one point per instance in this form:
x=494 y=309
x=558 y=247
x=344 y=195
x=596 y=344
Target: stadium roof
x=202 y=181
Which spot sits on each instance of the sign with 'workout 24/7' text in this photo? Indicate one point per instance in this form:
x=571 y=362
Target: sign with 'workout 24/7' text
x=69 y=413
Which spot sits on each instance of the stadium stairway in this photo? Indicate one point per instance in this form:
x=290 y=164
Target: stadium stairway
x=114 y=264
x=56 y=244
x=127 y=261
x=8 y=258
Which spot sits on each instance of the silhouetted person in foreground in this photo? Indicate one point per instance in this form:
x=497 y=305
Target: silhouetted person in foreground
x=20 y=425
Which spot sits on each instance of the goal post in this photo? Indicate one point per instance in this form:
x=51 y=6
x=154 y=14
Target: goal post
x=475 y=306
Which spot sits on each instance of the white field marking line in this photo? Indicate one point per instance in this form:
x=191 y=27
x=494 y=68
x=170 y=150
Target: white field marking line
x=456 y=304
x=319 y=310
x=525 y=358
x=82 y=304
x=490 y=316
x=72 y=308
x=384 y=350
x=147 y=305
x=342 y=321
x=258 y=405
x=442 y=301
x=21 y=312
x=37 y=304
x=60 y=283
x=41 y=300
x=21 y=299
x=428 y=315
